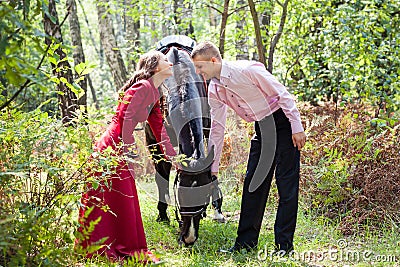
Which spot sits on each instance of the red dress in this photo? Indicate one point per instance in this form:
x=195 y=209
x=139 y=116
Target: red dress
x=120 y=231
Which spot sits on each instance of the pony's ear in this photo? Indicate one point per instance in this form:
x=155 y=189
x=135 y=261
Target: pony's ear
x=176 y=54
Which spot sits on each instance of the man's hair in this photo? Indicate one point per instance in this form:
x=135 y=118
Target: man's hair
x=206 y=49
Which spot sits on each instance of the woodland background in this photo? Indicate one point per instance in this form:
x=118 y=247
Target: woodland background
x=62 y=63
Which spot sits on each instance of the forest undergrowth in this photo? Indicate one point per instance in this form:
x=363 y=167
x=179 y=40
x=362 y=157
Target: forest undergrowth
x=351 y=166
x=349 y=177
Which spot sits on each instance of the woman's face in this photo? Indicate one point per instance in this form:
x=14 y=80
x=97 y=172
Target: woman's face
x=164 y=67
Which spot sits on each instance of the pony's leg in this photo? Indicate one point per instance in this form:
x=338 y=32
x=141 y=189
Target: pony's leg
x=217 y=198
x=162 y=169
x=185 y=141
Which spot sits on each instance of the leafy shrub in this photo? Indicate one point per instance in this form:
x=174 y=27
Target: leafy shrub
x=351 y=168
x=40 y=183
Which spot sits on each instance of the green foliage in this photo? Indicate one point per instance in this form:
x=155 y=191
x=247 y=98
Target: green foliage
x=40 y=177
x=344 y=50
x=21 y=50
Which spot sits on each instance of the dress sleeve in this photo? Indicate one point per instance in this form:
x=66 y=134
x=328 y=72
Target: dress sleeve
x=133 y=108
x=156 y=124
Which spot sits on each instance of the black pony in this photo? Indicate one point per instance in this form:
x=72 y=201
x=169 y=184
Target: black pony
x=186 y=98
x=188 y=114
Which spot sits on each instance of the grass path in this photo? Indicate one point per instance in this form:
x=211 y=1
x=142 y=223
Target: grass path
x=317 y=242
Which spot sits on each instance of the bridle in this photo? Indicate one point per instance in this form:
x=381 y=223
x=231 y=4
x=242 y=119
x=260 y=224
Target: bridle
x=165 y=49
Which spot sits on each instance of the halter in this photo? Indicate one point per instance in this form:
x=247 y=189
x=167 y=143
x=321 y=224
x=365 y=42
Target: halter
x=201 y=212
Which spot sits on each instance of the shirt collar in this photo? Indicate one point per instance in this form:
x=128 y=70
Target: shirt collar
x=225 y=73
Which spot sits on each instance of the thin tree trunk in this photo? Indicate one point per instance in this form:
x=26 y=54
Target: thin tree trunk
x=120 y=33
x=153 y=27
x=178 y=14
x=182 y=10
x=241 y=44
x=107 y=39
x=223 y=27
x=188 y=13
x=96 y=103
x=78 y=55
x=132 y=30
x=89 y=27
x=212 y=15
x=277 y=35
x=67 y=98
x=257 y=30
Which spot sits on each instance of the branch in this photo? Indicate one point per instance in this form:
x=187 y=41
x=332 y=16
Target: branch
x=277 y=35
x=16 y=31
x=26 y=82
x=216 y=9
x=291 y=66
x=237 y=9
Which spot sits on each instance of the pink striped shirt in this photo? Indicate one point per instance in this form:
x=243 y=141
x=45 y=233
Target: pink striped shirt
x=253 y=93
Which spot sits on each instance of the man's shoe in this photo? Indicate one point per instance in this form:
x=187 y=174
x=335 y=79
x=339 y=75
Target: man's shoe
x=236 y=248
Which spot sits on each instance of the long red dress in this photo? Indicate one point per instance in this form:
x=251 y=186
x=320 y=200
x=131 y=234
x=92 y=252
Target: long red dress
x=116 y=201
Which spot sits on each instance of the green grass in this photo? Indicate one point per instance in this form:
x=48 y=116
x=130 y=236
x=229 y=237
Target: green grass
x=317 y=241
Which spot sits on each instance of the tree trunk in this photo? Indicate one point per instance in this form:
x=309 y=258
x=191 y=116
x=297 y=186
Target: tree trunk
x=120 y=31
x=62 y=70
x=96 y=103
x=178 y=13
x=108 y=41
x=78 y=55
x=257 y=30
x=89 y=28
x=213 y=16
x=182 y=10
x=241 y=44
x=223 y=28
x=277 y=35
x=132 y=29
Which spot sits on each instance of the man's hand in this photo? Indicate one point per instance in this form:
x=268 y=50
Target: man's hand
x=299 y=139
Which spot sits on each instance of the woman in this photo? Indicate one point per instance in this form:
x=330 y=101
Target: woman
x=110 y=203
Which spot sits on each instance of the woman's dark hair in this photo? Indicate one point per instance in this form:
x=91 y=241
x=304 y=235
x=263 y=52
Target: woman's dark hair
x=145 y=68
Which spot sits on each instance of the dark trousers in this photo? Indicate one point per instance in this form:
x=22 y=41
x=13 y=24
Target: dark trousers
x=271 y=151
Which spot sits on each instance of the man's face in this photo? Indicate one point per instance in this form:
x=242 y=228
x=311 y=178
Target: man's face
x=204 y=67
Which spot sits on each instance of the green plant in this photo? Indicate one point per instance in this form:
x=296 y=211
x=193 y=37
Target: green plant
x=40 y=177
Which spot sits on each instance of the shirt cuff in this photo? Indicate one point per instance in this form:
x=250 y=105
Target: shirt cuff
x=297 y=127
x=215 y=167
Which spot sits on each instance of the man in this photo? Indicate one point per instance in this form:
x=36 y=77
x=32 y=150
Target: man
x=255 y=95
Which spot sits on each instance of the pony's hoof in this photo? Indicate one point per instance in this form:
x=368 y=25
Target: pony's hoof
x=219 y=217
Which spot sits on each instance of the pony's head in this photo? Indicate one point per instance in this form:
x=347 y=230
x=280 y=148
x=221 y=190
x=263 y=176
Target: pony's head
x=194 y=191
